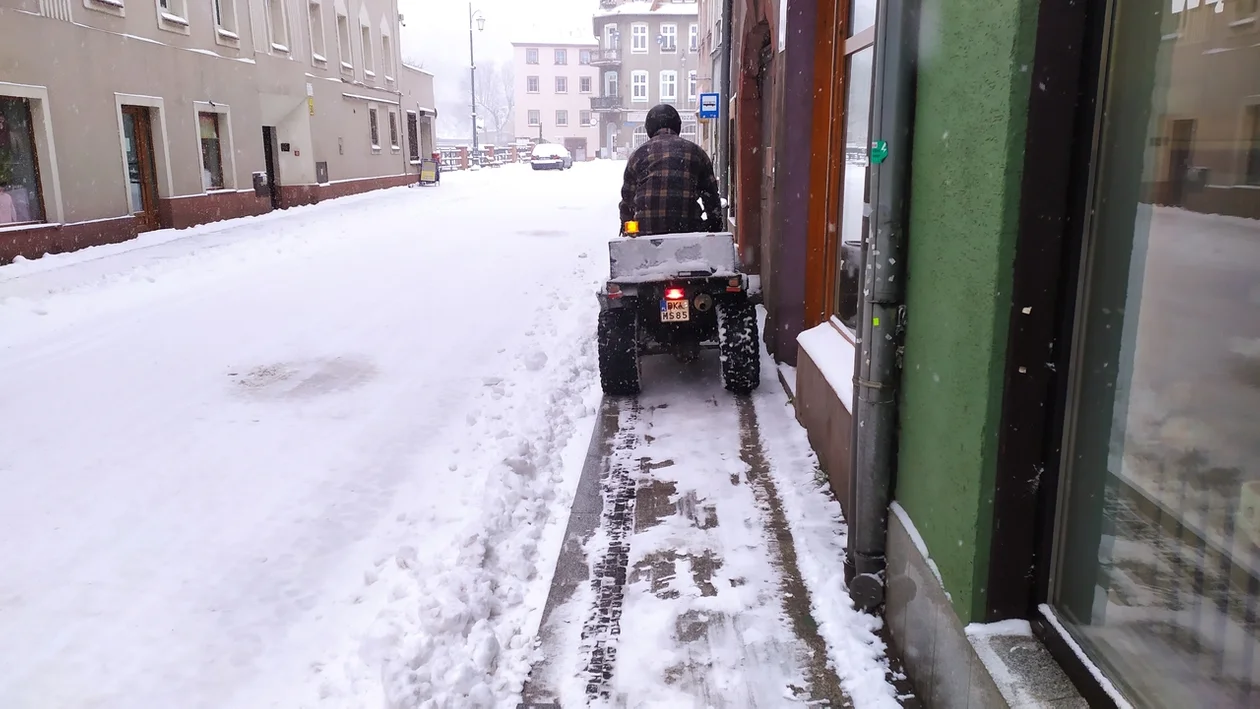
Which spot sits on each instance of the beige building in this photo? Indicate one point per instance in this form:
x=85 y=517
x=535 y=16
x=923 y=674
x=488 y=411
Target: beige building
x=554 y=84
x=121 y=116
x=649 y=53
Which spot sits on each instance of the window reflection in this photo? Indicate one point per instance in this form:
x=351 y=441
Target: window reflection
x=1158 y=564
x=856 y=167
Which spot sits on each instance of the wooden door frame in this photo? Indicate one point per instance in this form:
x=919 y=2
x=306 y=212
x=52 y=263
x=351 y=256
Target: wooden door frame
x=142 y=126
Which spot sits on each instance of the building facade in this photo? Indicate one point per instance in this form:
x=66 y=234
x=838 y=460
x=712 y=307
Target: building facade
x=122 y=116
x=1017 y=273
x=554 y=83
x=649 y=53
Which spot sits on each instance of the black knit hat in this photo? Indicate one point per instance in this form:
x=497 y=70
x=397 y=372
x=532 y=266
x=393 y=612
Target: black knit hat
x=662 y=116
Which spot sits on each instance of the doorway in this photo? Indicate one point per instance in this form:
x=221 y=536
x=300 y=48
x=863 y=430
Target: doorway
x=1179 y=161
x=269 y=157
x=141 y=167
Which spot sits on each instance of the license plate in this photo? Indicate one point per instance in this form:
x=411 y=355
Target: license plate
x=675 y=311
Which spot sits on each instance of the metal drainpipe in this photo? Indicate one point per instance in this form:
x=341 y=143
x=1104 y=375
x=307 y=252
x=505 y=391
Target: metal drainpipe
x=882 y=311
x=724 y=102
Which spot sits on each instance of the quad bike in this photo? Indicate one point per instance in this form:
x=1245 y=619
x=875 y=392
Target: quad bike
x=676 y=294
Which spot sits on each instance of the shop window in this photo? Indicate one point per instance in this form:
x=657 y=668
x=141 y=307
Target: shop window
x=374 y=130
x=413 y=137
x=1157 y=554
x=319 y=51
x=210 y=130
x=21 y=198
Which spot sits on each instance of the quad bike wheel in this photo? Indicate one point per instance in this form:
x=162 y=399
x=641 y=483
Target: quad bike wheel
x=738 y=346
x=618 y=352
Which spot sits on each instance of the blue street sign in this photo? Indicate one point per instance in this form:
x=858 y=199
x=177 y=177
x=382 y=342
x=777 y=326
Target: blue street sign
x=709 y=105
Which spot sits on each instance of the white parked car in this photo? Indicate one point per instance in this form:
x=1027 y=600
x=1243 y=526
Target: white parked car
x=549 y=156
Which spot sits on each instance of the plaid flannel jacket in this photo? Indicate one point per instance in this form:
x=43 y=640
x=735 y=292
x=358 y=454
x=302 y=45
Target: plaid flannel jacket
x=664 y=179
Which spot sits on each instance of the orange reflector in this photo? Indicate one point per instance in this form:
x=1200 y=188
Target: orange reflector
x=674 y=294
x=614 y=290
x=632 y=227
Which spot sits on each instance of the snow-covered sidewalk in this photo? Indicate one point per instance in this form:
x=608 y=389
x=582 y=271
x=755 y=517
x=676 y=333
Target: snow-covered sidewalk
x=714 y=576
x=320 y=458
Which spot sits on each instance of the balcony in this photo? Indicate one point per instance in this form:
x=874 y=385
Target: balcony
x=606 y=57
x=606 y=103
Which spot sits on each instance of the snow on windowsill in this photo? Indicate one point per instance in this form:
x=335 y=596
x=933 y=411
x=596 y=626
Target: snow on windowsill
x=279 y=47
x=376 y=149
x=833 y=355
x=917 y=540
x=227 y=34
x=112 y=3
x=319 y=58
x=174 y=19
x=389 y=79
x=346 y=66
x=369 y=73
x=1048 y=613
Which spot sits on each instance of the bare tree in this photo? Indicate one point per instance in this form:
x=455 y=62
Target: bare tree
x=496 y=100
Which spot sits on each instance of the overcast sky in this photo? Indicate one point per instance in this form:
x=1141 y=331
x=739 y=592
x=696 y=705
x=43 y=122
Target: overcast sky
x=436 y=31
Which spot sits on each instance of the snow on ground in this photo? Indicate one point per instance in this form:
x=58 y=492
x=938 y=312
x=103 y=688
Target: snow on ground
x=319 y=458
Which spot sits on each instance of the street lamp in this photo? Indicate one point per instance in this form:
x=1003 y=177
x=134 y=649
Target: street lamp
x=472 y=71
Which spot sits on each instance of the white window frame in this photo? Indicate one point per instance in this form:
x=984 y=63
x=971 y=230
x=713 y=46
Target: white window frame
x=562 y=113
x=560 y=53
x=387 y=52
x=669 y=78
x=45 y=150
x=345 y=45
x=315 y=25
x=536 y=61
x=639 y=31
x=174 y=16
x=590 y=117
x=693 y=38
x=537 y=81
x=693 y=85
x=109 y=7
x=530 y=115
x=638 y=78
x=227 y=147
x=161 y=144
x=278 y=38
x=611 y=40
x=590 y=84
x=559 y=88
x=227 y=23
x=669 y=38
x=611 y=78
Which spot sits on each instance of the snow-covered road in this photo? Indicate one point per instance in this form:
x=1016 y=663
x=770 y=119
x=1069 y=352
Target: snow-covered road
x=312 y=459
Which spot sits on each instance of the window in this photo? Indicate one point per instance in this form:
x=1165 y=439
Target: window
x=639 y=38
x=387 y=53
x=669 y=38
x=610 y=83
x=374 y=129
x=343 y=42
x=859 y=78
x=669 y=85
x=562 y=84
x=110 y=7
x=531 y=56
x=531 y=84
x=21 y=196
x=173 y=15
x=225 y=20
x=586 y=118
x=639 y=86
x=534 y=117
x=1251 y=146
x=369 y=61
x=717 y=33
x=585 y=57
x=562 y=56
x=393 y=131
x=693 y=39
x=319 y=51
x=611 y=36
x=413 y=137
x=562 y=118
x=689 y=131
x=278 y=25
x=692 y=85
x=208 y=126
x=584 y=84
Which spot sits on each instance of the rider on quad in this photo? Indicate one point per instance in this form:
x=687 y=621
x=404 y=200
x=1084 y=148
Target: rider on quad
x=666 y=180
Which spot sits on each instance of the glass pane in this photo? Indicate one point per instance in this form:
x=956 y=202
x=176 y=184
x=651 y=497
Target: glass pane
x=853 y=204
x=1158 y=564
x=19 y=166
x=862 y=15
x=134 y=182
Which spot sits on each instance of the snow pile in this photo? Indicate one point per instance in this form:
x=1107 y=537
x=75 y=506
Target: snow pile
x=833 y=355
x=648 y=257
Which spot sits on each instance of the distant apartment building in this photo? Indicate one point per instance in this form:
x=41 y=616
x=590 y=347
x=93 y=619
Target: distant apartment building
x=649 y=53
x=555 y=81
x=710 y=68
x=122 y=116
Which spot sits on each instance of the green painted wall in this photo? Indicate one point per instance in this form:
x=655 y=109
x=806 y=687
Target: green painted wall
x=972 y=104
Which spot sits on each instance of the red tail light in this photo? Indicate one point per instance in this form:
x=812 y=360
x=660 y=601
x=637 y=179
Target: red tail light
x=674 y=294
